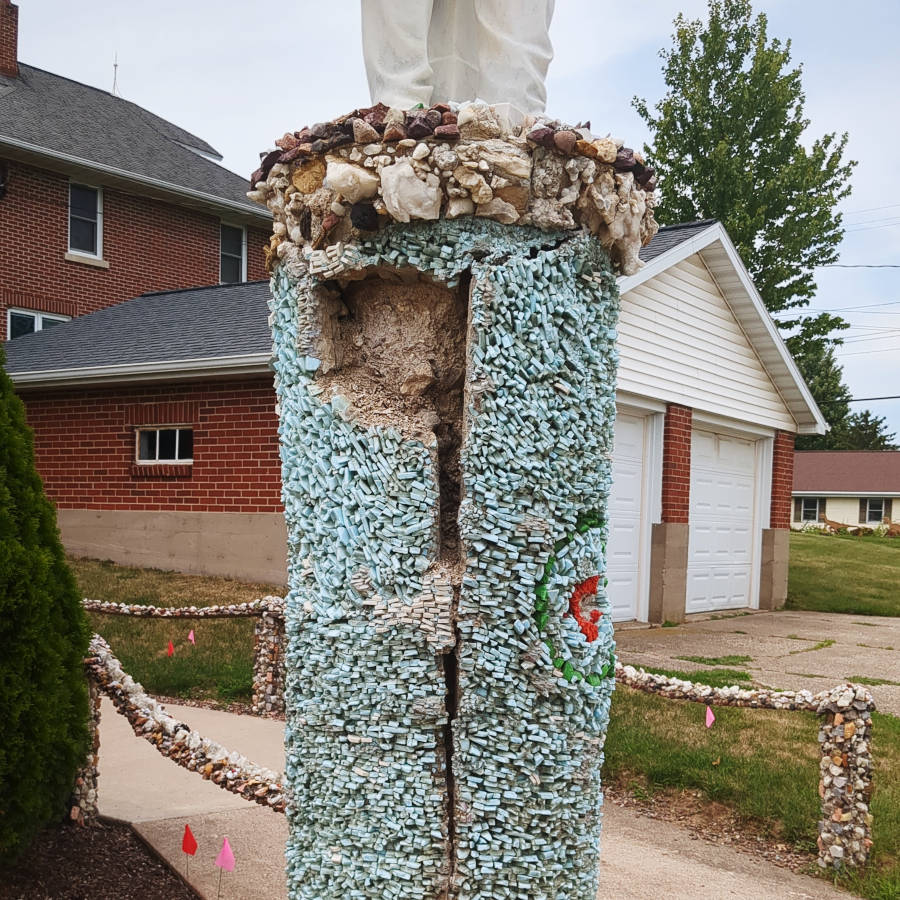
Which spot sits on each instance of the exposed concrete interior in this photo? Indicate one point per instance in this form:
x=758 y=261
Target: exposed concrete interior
x=773 y=572
x=250 y=546
x=668 y=571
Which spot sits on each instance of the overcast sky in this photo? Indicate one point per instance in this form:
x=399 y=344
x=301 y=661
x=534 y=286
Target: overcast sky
x=241 y=74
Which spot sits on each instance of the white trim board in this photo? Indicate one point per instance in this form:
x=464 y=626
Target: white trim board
x=163 y=370
x=860 y=494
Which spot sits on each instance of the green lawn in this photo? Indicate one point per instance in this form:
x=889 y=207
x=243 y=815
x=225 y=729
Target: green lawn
x=219 y=666
x=845 y=574
x=762 y=763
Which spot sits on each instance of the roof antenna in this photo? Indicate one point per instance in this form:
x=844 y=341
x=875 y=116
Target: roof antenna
x=115 y=87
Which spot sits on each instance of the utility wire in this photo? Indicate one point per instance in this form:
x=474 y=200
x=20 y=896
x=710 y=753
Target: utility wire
x=867 y=352
x=859 y=266
x=860 y=399
x=856 y=212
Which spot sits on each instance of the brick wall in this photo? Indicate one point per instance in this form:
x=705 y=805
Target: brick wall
x=9 y=37
x=84 y=445
x=782 y=480
x=150 y=245
x=676 y=481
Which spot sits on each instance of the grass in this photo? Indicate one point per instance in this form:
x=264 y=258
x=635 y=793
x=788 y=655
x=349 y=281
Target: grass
x=864 y=679
x=844 y=574
x=717 y=660
x=762 y=763
x=712 y=677
x=819 y=645
x=218 y=667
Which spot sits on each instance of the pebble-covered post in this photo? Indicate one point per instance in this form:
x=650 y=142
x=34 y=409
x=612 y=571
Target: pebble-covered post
x=446 y=402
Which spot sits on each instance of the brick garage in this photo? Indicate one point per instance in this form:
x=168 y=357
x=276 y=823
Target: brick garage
x=84 y=443
x=221 y=513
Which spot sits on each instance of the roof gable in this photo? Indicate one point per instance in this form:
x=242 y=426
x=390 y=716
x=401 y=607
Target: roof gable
x=73 y=124
x=710 y=242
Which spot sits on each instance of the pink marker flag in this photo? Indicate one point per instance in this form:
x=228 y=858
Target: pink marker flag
x=191 y=637
x=710 y=718
x=171 y=649
x=225 y=859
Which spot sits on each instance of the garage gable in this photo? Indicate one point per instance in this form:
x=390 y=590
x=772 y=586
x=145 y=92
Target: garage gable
x=679 y=341
x=695 y=331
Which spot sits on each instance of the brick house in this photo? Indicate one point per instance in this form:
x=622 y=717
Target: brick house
x=708 y=404
x=100 y=200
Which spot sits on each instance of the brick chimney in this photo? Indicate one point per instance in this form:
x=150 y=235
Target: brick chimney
x=9 y=38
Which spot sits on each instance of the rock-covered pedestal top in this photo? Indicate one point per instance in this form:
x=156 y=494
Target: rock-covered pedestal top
x=341 y=181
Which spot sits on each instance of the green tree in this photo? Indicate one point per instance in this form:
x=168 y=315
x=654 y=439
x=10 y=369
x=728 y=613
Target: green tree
x=727 y=144
x=868 y=432
x=43 y=641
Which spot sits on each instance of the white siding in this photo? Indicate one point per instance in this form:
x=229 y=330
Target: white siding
x=846 y=510
x=680 y=343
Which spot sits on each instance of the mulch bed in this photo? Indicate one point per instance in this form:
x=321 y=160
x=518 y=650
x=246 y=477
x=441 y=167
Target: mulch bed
x=105 y=861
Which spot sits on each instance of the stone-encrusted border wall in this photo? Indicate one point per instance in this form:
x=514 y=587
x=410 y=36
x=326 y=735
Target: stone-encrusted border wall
x=845 y=730
x=268 y=639
x=84 y=796
x=845 y=767
x=173 y=739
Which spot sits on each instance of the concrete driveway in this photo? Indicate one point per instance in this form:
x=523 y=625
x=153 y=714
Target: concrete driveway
x=787 y=650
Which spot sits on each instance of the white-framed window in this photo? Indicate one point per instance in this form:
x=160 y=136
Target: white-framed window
x=164 y=444
x=85 y=220
x=26 y=321
x=875 y=510
x=809 y=509
x=232 y=253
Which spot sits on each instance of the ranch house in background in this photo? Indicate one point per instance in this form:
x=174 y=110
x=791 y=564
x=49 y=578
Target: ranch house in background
x=156 y=435
x=117 y=200
x=851 y=488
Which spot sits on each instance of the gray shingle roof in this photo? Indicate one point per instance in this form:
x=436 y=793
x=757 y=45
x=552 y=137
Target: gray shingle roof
x=198 y=323
x=58 y=115
x=670 y=236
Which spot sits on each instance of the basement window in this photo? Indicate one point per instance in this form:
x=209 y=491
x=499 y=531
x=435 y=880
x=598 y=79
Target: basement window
x=85 y=220
x=20 y=322
x=233 y=254
x=168 y=444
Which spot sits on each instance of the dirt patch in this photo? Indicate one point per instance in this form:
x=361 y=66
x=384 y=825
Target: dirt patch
x=106 y=860
x=708 y=821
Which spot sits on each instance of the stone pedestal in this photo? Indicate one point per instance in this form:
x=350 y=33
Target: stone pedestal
x=446 y=400
x=668 y=571
x=773 y=574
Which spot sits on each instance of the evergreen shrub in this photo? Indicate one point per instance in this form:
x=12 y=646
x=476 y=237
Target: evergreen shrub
x=43 y=641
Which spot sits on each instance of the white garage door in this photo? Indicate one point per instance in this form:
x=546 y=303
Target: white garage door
x=721 y=541
x=623 y=550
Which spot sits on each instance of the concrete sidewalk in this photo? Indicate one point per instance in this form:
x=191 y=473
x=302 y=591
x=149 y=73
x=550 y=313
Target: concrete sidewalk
x=784 y=649
x=642 y=858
